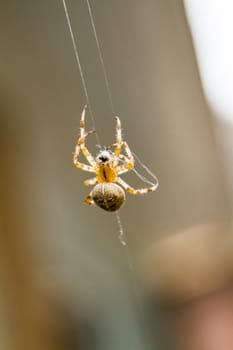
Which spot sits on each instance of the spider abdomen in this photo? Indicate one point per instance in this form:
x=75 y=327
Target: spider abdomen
x=108 y=196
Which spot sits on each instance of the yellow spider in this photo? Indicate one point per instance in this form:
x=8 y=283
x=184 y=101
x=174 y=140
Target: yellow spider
x=107 y=166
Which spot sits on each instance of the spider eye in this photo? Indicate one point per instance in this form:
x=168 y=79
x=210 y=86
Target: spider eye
x=104 y=156
x=103 y=159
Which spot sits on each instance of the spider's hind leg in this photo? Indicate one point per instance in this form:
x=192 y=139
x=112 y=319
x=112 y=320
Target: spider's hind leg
x=89 y=182
x=133 y=190
x=88 y=200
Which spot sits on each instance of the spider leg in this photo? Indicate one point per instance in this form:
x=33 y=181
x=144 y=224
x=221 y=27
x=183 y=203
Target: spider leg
x=121 y=169
x=80 y=146
x=90 y=182
x=118 y=136
x=133 y=190
x=82 y=122
x=128 y=159
x=89 y=200
x=80 y=165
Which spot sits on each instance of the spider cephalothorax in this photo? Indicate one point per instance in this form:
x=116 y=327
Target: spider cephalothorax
x=108 y=165
x=105 y=156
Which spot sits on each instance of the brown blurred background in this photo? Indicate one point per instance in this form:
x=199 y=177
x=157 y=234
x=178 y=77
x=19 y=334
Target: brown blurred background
x=65 y=282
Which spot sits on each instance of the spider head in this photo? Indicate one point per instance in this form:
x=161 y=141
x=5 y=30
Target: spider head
x=105 y=157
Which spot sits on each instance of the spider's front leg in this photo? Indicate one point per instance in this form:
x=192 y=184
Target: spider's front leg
x=118 y=136
x=80 y=146
x=129 y=159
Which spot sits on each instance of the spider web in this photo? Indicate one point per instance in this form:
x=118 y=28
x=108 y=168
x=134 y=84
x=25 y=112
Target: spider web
x=121 y=235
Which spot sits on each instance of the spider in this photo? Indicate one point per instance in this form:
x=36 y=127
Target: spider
x=108 y=165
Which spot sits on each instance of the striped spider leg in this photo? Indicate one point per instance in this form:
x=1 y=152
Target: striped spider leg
x=128 y=162
x=80 y=146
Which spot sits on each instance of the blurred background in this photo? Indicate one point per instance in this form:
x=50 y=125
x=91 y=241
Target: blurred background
x=64 y=275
